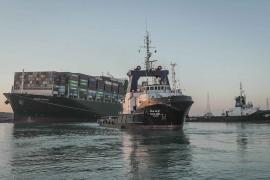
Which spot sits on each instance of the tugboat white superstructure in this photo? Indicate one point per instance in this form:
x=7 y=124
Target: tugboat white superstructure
x=242 y=108
x=151 y=104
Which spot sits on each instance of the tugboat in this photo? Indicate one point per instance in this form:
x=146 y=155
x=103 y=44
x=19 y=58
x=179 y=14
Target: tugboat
x=242 y=112
x=151 y=104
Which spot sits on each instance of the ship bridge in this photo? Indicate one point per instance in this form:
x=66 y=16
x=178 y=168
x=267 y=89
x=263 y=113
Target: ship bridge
x=135 y=75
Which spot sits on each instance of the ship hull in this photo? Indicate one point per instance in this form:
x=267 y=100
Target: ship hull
x=261 y=116
x=159 y=113
x=39 y=108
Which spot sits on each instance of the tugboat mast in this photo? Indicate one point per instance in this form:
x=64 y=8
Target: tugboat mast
x=241 y=98
x=241 y=94
x=173 y=77
x=148 y=54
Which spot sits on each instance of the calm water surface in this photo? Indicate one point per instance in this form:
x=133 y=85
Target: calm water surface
x=86 y=151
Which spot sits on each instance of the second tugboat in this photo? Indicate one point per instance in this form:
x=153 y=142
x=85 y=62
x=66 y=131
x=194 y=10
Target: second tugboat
x=151 y=104
x=242 y=112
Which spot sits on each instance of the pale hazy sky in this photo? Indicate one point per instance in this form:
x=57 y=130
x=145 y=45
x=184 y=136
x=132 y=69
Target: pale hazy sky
x=216 y=44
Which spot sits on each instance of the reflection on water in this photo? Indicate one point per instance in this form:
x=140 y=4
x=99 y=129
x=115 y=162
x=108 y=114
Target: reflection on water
x=156 y=154
x=242 y=138
x=87 y=151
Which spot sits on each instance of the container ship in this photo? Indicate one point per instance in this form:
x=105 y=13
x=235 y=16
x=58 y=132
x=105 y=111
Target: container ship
x=64 y=96
x=150 y=102
x=243 y=111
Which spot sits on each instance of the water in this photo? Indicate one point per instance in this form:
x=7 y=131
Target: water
x=86 y=151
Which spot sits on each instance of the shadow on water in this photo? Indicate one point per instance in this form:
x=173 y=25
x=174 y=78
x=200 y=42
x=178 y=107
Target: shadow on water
x=157 y=154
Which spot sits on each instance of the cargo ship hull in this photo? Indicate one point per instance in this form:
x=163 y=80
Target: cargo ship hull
x=40 y=108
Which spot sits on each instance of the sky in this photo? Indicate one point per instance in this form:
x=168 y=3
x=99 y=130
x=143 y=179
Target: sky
x=215 y=43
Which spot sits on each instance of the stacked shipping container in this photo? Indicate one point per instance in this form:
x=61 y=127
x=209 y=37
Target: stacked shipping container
x=60 y=83
x=33 y=82
x=73 y=82
x=100 y=89
x=72 y=85
x=83 y=86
